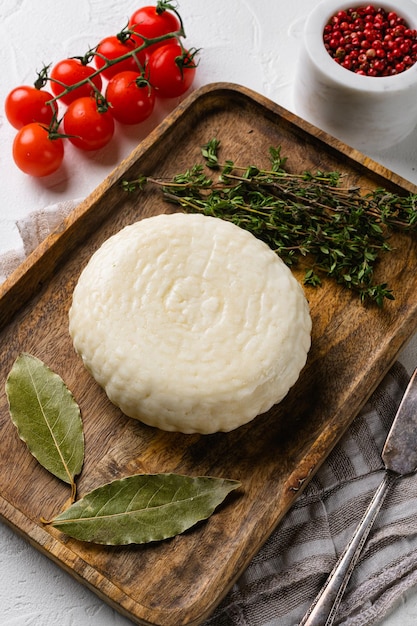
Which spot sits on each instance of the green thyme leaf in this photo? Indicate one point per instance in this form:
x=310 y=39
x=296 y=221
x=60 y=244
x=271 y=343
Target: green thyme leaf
x=308 y=219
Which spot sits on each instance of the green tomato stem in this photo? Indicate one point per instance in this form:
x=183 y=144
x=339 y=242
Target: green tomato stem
x=110 y=62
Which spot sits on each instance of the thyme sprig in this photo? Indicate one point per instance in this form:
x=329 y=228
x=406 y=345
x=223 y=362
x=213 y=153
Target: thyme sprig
x=309 y=218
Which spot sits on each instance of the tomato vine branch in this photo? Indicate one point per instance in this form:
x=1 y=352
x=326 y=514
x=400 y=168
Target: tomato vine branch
x=43 y=76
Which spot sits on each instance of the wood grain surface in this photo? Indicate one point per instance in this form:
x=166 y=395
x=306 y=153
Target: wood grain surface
x=180 y=581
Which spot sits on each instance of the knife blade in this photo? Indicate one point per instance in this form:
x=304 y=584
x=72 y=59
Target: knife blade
x=400 y=450
x=399 y=455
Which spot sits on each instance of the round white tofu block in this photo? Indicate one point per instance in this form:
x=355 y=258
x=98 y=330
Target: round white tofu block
x=190 y=323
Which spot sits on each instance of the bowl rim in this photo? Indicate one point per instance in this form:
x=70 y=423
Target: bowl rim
x=314 y=46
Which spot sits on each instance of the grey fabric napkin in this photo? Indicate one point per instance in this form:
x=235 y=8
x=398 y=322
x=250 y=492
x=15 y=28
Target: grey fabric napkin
x=287 y=573
x=285 y=576
x=33 y=229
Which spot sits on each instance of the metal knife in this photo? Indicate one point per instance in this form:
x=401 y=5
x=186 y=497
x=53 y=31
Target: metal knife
x=400 y=458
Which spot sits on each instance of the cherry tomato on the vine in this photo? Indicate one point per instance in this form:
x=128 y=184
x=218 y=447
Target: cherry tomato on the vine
x=91 y=93
x=35 y=152
x=69 y=72
x=171 y=70
x=87 y=127
x=152 y=22
x=131 y=99
x=26 y=104
x=111 y=48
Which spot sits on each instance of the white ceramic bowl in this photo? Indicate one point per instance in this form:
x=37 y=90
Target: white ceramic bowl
x=366 y=112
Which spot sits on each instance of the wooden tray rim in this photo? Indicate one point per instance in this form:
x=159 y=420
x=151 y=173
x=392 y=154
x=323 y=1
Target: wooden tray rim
x=24 y=279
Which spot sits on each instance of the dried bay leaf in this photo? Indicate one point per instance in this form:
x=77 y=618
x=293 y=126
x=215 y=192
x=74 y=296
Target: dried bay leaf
x=47 y=417
x=136 y=509
x=143 y=508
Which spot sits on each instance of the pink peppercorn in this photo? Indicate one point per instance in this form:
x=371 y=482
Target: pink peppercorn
x=371 y=41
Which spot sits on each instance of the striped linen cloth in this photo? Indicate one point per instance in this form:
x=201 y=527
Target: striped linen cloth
x=288 y=572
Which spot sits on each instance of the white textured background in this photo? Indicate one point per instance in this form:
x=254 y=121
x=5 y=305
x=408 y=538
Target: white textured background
x=250 y=42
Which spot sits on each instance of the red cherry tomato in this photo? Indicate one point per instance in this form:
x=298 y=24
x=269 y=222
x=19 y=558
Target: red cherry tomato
x=171 y=70
x=88 y=128
x=151 y=23
x=27 y=104
x=69 y=72
x=35 y=153
x=131 y=99
x=112 y=48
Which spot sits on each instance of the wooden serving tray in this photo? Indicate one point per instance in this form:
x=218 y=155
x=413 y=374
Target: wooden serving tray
x=180 y=581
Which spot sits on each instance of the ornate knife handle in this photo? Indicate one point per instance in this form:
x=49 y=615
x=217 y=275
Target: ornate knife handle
x=324 y=608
